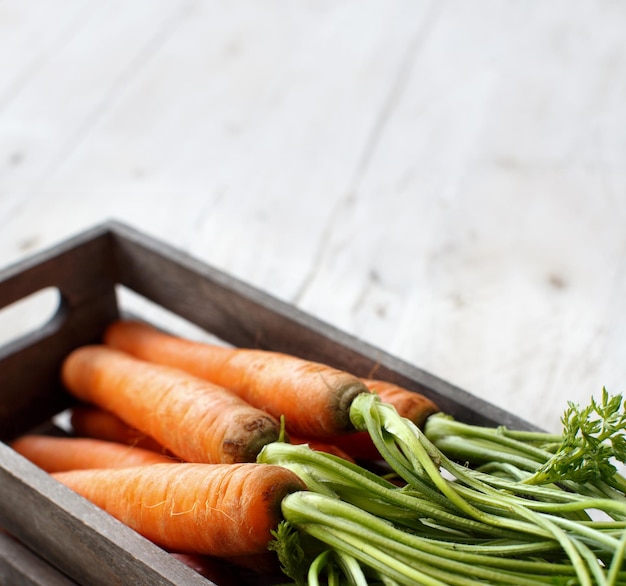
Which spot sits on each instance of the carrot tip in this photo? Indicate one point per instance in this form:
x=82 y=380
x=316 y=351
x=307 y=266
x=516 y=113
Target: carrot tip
x=259 y=432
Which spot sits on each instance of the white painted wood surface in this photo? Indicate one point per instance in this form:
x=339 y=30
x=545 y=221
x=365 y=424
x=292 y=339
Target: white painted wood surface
x=446 y=180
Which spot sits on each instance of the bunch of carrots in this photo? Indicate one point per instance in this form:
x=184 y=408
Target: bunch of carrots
x=167 y=432
x=261 y=458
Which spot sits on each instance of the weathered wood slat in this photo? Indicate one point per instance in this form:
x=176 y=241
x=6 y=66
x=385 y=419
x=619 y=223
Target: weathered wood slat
x=81 y=270
x=19 y=566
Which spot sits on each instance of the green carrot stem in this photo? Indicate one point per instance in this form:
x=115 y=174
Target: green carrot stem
x=505 y=502
x=527 y=450
x=527 y=437
x=351 y=568
x=506 y=548
x=610 y=488
x=570 y=546
x=587 y=532
x=369 y=413
x=484 y=494
x=516 y=485
x=445 y=570
x=308 y=508
x=333 y=475
x=617 y=482
x=506 y=499
x=392 y=566
x=479 y=451
x=547 y=501
x=317 y=567
x=440 y=426
x=374 y=558
x=617 y=562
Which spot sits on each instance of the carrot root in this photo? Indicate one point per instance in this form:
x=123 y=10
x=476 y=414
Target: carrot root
x=222 y=510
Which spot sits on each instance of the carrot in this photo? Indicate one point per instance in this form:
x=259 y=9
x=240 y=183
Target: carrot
x=314 y=398
x=358 y=445
x=220 y=510
x=322 y=446
x=89 y=421
x=409 y=404
x=194 y=419
x=57 y=454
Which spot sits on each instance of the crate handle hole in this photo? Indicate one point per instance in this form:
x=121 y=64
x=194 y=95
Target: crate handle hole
x=29 y=314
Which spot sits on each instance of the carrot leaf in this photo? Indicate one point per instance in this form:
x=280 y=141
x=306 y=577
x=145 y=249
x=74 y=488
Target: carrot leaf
x=593 y=437
x=286 y=544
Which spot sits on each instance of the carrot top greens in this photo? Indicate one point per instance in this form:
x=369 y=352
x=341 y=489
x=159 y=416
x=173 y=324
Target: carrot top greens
x=462 y=504
x=593 y=438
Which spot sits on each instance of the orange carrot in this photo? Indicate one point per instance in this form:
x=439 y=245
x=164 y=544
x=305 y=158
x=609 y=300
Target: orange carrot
x=210 y=509
x=358 y=445
x=409 y=404
x=57 y=454
x=322 y=446
x=314 y=398
x=194 y=419
x=89 y=421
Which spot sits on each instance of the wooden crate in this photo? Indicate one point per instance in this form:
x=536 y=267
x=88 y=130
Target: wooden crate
x=89 y=271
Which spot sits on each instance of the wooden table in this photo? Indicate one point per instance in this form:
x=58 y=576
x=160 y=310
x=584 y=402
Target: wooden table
x=445 y=180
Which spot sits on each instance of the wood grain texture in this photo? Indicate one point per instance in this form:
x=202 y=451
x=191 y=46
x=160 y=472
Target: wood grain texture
x=22 y=567
x=444 y=180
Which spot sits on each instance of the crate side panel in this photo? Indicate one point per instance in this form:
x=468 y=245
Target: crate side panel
x=30 y=386
x=19 y=566
x=29 y=366
x=76 y=266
